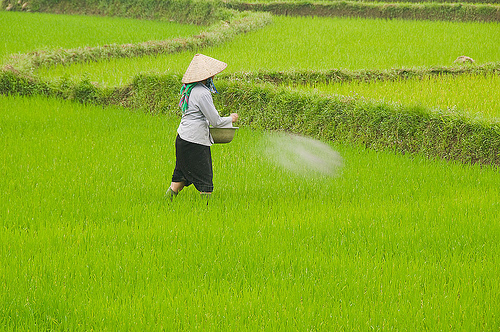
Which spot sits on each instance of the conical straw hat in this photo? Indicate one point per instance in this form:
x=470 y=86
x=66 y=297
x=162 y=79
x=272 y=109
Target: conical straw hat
x=201 y=68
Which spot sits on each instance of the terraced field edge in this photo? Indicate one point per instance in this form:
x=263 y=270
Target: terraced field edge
x=407 y=11
x=215 y=34
x=182 y=11
x=376 y=125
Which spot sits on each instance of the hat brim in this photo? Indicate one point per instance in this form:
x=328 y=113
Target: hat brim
x=201 y=68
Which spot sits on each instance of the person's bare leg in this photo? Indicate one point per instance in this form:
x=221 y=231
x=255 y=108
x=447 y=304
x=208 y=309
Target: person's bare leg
x=177 y=186
x=174 y=189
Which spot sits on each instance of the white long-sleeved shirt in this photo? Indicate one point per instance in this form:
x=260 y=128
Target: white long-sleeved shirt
x=199 y=115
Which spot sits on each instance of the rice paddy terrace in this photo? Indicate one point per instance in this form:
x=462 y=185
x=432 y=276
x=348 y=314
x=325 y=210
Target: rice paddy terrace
x=403 y=234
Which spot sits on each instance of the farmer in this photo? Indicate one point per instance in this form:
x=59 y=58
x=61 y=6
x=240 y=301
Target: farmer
x=192 y=145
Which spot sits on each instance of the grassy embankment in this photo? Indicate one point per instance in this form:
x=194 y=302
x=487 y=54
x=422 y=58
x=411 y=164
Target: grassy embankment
x=330 y=43
x=406 y=9
x=379 y=126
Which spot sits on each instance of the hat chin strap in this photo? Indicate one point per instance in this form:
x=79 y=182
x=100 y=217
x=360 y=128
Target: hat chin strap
x=209 y=83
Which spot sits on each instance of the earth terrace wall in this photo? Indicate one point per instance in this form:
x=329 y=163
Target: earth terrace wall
x=206 y=12
x=201 y=12
x=409 y=11
x=424 y=1
x=404 y=1
x=375 y=125
x=366 y=75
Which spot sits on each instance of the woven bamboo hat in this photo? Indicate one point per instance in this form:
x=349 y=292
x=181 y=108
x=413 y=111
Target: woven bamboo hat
x=201 y=68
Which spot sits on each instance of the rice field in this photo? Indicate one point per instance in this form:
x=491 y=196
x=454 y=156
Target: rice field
x=294 y=43
x=325 y=43
x=474 y=96
x=26 y=32
x=88 y=241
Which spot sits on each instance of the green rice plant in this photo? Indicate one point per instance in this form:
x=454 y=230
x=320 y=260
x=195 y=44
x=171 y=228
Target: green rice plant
x=88 y=242
x=474 y=96
x=25 y=32
x=294 y=43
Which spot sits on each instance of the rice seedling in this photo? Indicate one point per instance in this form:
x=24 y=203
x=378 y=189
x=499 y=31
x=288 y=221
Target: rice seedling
x=474 y=96
x=87 y=240
x=295 y=43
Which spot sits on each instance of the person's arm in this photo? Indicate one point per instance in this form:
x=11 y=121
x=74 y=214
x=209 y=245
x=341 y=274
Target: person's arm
x=214 y=119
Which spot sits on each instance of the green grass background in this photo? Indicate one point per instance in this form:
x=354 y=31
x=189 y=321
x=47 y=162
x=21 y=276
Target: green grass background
x=89 y=242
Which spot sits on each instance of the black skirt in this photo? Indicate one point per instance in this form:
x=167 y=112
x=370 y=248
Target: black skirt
x=193 y=165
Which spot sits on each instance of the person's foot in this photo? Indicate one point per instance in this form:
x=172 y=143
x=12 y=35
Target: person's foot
x=206 y=196
x=170 y=194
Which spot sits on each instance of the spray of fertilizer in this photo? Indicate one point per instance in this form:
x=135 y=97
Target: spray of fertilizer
x=302 y=155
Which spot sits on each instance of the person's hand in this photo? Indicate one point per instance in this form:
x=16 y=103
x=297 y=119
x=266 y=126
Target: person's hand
x=234 y=116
